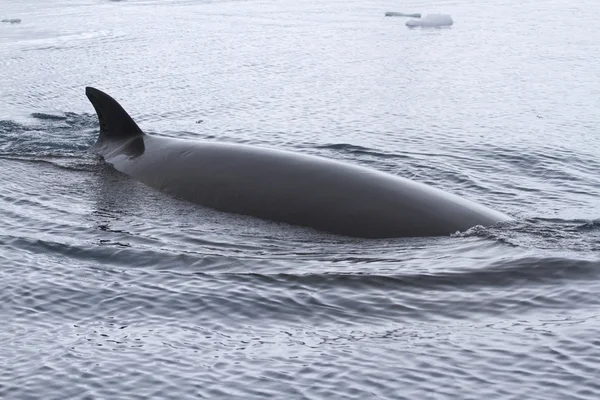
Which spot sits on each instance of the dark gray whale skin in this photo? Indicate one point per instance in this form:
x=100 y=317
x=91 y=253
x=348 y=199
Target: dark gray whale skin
x=282 y=186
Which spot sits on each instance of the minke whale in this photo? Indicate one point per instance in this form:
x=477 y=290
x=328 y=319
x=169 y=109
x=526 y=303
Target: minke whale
x=283 y=186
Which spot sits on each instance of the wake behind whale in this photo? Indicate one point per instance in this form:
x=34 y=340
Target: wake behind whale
x=281 y=186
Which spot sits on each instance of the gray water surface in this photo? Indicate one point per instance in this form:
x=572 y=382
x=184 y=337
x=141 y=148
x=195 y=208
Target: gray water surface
x=109 y=289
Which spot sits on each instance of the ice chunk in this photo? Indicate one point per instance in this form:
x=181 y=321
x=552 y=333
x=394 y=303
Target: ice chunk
x=399 y=14
x=12 y=21
x=431 y=21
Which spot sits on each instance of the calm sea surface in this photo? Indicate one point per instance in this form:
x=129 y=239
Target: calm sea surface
x=111 y=290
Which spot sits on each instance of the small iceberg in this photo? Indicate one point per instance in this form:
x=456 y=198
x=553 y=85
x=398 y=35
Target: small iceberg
x=431 y=21
x=12 y=21
x=399 y=14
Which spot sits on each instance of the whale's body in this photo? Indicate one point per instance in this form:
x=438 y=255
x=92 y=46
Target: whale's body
x=282 y=186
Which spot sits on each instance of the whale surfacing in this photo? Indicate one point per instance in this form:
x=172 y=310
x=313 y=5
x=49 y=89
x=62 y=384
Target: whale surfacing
x=281 y=186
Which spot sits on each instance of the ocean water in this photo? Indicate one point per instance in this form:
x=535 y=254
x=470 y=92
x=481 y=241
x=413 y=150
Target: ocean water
x=109 y=289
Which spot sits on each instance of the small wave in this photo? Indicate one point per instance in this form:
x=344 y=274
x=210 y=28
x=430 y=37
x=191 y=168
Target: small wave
x=576 y=235
x=498 y=274
x=550 y=164
x=70 y=119
x=360 y=150
x=61 y=140
x=589 y=225
x=51 y=117
x=77 y=163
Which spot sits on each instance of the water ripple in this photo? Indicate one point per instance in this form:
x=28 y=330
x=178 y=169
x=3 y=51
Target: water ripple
x=110 y=289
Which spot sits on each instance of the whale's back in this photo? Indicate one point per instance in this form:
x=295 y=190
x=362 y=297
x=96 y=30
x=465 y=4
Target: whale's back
x=302 y=190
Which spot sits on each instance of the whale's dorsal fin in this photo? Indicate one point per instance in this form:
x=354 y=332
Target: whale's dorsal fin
x=115 y=123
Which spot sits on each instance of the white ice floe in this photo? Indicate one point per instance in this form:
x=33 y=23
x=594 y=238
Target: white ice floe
x=399 y=14
x=431 y=21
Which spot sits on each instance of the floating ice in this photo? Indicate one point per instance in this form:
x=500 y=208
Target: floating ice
x=399 y=14
x=12 y=21
x=431 y=21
